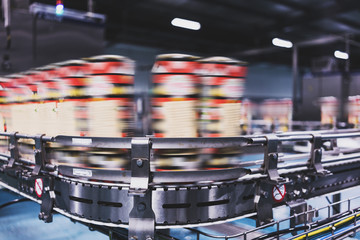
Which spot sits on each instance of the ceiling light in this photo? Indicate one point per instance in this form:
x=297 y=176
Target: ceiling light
x=282 y=43
x=59 y=10
x=184 y=23
x=341 y=55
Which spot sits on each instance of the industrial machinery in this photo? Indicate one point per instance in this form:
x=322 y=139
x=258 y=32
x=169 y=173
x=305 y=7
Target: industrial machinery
x=140 y=202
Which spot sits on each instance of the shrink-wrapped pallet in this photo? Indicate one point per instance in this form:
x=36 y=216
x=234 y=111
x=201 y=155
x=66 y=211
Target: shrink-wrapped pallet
x=175 y=98
x=329 y=111
x=222 y=83
x=175 y=95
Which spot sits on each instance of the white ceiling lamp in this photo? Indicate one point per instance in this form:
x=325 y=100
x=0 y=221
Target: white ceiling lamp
x=282 y=43
x=341 y=55
x=184 y=23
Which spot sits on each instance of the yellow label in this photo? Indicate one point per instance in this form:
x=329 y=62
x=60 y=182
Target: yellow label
x=76 y=92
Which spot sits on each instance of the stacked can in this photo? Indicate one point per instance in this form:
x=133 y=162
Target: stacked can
x=246 y=114
x=278 y=114
x=4 y=111
x=4 y=108
x=285 y=110
x=63 y=92
x=223 y=82
x=5 y=84
x=50 y=87
x=354 y=111
x=111 y=87
x=33 y=80
x=21 y=106
x=329 y=111
x=72 y=75
x=175 y=97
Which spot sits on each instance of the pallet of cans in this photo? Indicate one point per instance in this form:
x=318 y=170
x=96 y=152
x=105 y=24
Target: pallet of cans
x=329 y=111
x=84 y=97
x=223 y=84
x=247 y=111
x=175 y=99
x=196 y=97
x=354 y=111
x=277 y=113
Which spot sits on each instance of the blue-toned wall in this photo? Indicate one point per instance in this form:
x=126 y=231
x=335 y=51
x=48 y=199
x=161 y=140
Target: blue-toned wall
x=263 y=81
x=269 y=81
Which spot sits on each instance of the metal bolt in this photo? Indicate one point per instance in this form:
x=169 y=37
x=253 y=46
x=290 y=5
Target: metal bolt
x=318 y=152
x=265 y=194
x=148 y=238
x=141 y=206
x=298 y=179
x=139 y=162
x=274 y=156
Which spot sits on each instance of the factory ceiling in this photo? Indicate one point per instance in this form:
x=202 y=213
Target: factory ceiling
x=240 y=29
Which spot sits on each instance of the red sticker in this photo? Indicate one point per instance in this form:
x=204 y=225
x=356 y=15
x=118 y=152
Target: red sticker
x=279 y=192
x=39 y=186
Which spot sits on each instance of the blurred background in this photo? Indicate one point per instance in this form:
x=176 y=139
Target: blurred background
x=242 y=30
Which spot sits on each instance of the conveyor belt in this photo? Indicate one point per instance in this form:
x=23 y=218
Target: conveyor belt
x=143 y=199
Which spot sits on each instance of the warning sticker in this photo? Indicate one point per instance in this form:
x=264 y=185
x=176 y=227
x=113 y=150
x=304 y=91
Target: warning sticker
x=279 y=192
x=39 y=186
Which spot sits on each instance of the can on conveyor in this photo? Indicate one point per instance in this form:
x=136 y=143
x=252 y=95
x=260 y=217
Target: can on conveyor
x=278 y=114
x=223 y=83
x=111 y=91
x=329 y=111
x=175 y=97
x=354 y=111
x=4 y=115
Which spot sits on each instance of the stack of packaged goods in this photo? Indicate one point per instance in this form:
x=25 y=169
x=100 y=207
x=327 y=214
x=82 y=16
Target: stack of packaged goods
x=4 y=114
x=278 y=114
x=21 y=111
x=285 y=109
x=223 y=82
x=51 y=97
x=50 y=86
x=246 y=114
x=73 y=109
x=58 y=107
x=110 y=108
x=329 y=111
x=69 y=98
x=175 y=98
x=111 y=87
x=354 y=111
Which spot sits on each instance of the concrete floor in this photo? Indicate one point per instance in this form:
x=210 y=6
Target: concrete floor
x=20 y=222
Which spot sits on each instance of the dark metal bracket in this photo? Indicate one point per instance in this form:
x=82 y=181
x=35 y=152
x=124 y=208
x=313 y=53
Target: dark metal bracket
x=140 y=166
x=263 y=203
x=271 y=159
x=48 y=200
x=142 y=217
x=316 y=155
x=14 y=150
x=301 y=213
x=40 y=154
